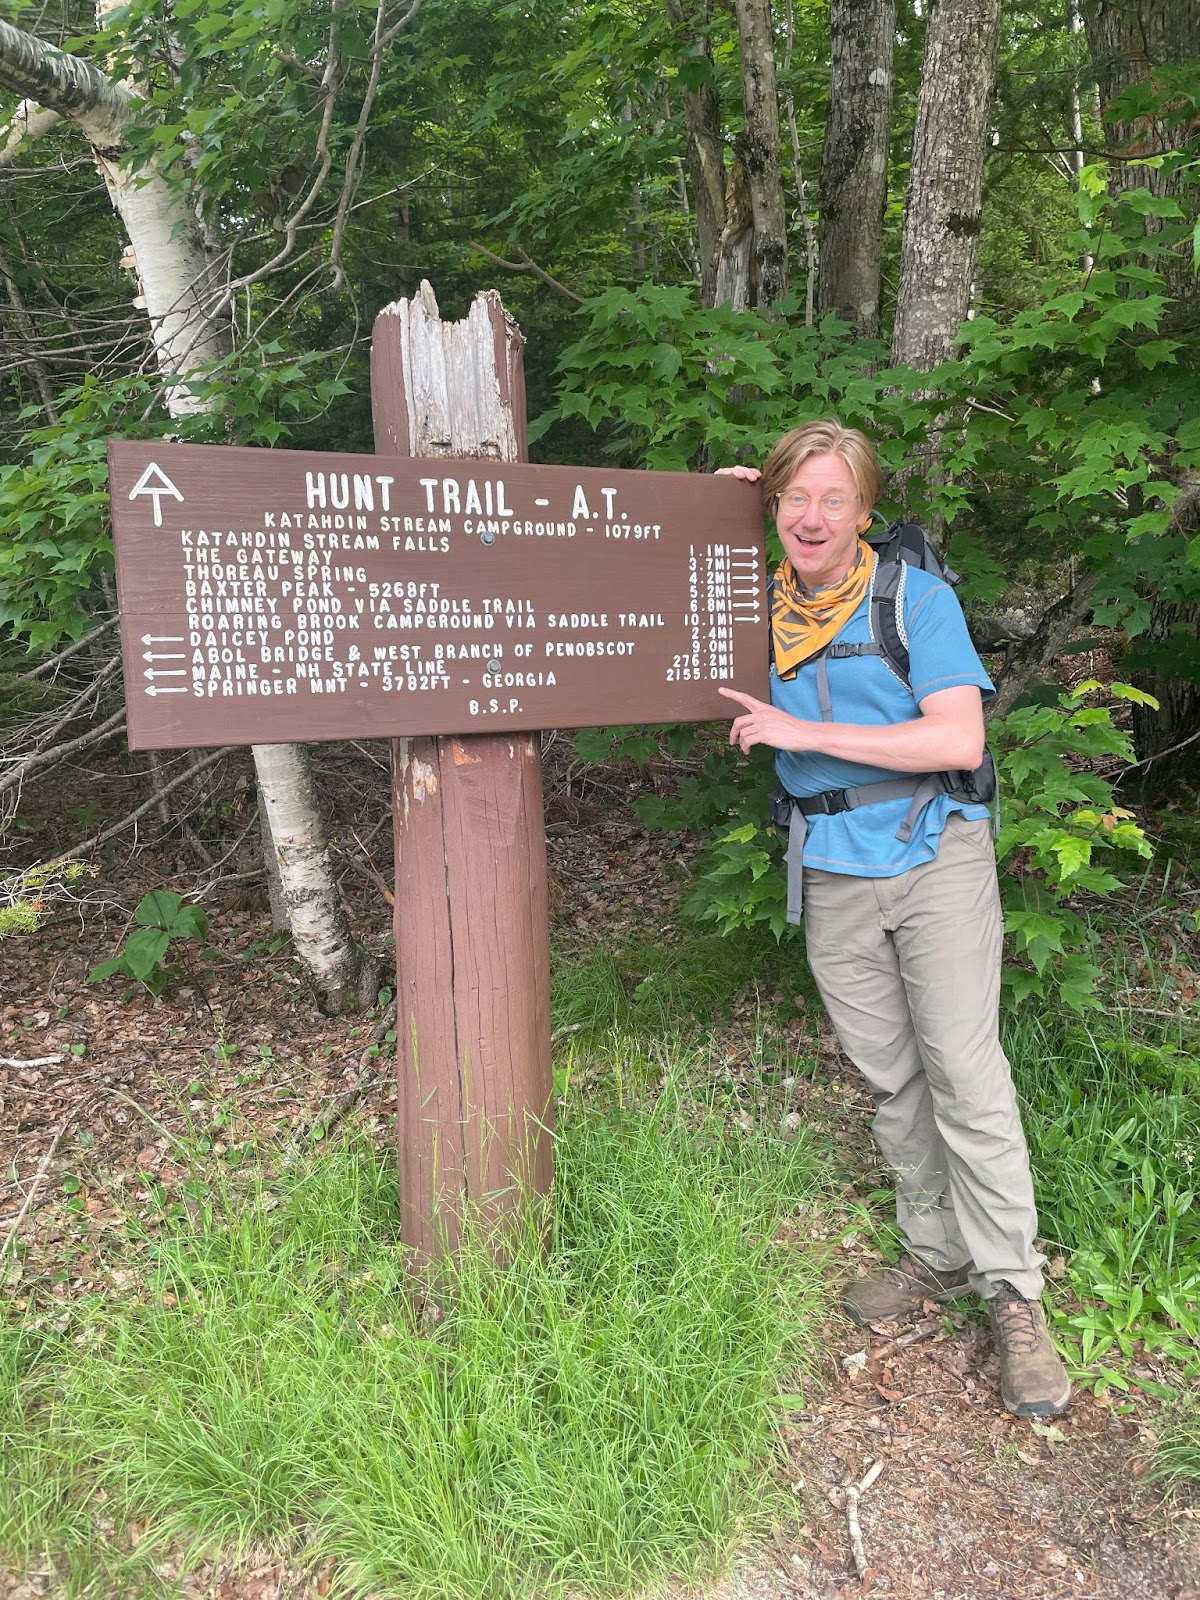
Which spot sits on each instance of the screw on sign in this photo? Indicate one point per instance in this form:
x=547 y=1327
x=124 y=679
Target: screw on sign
x=451 y=597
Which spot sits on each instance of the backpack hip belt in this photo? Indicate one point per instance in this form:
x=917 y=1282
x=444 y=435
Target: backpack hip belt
x=790 y=812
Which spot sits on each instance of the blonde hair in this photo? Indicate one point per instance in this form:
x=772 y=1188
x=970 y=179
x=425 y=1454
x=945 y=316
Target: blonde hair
x=826 y=437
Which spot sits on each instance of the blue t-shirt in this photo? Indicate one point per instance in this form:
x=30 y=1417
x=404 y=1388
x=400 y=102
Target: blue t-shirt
x=865 y=690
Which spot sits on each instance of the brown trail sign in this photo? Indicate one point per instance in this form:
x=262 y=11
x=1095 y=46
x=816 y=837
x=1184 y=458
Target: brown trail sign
x=271 y=596
x=442 y=587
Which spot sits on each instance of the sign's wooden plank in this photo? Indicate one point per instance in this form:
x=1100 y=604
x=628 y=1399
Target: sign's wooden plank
x=269 y=596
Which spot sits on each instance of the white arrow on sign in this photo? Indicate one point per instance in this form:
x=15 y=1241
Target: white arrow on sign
x=161 y=672
x=162 y=638
x=153 y=688
x=155 y=482
x=163 y=655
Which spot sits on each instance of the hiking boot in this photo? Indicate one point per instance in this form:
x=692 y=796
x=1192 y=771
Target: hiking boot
x=892 y=1292
x=1033 y=1381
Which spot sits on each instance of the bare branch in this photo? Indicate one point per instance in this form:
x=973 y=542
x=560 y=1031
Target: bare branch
x=52 y=663
x=403 y=23
x=43 y=729
x=526 y=264
x=1028 y=658
x=42 y=759
x=354 y=154
x=98 y=839
x=1169 y=751
x=330 y=83
x=853 y=1494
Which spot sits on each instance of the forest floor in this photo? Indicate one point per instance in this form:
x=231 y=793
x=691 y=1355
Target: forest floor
x=969 y=1504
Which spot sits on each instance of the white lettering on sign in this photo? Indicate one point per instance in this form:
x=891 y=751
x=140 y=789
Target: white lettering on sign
x=155 y=482
x=337 y=489
x=487 y=497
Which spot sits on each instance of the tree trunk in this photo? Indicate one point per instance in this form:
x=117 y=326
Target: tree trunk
x=343 y=974
x=854 y=161
x=735 y=248
x=472 y=916
x=1126 y=42
x=760 y=150
x=178 y=290
x=1167 y=741
x=705 y=148
x=943 y=208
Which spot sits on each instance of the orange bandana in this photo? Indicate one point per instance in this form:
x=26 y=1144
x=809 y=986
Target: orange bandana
x=803 y=624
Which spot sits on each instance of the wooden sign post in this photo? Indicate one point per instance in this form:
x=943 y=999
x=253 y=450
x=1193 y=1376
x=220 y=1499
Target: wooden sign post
x=475 y=1092
x=447 y=595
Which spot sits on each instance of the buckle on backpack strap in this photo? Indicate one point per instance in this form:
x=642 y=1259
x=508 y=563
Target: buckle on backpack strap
x=829 y=803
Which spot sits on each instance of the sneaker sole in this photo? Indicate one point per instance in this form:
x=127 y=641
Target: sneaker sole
x=1039 y=1408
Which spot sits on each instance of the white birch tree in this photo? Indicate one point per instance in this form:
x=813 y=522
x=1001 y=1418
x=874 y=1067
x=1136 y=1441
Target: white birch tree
x=187 y=311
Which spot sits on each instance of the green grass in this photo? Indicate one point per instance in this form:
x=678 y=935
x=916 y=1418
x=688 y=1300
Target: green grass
x=644 y=990
x=582 y=1418
x=1177 y=1453
x=1112 y=1111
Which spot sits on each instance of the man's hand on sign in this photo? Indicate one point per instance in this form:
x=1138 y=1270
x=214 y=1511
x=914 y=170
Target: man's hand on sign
x=746 y=474
x=766 y=724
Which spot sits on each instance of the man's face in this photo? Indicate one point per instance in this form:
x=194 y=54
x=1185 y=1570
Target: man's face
x=817 y=517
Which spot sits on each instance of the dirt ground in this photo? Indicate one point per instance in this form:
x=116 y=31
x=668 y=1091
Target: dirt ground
x=97 y=1085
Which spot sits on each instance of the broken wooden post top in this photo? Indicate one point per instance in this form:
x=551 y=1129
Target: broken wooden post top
x=448 y=388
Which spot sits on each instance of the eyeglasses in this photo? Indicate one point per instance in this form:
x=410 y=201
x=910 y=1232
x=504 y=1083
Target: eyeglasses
x=833 y=507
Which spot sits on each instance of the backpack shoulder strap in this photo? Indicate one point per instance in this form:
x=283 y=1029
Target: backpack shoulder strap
x=887 y=614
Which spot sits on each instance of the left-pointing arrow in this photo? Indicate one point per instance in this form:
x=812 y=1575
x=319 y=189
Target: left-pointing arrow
x=154 y=688
x=164 y=672
x=163 y=655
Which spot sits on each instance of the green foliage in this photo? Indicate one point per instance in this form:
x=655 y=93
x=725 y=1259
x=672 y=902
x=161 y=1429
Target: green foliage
x=588 y=1417
x=1068 y=426
x=28 y=895
x=1075 y=416
x=1111 y=1117
x=1060 y=832
x=24 y=916
x=162 y=919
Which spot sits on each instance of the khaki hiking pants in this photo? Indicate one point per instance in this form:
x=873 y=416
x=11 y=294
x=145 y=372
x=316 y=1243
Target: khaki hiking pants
x=909 y=970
